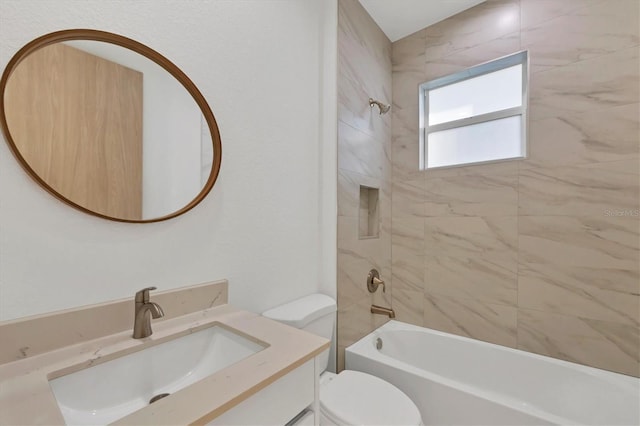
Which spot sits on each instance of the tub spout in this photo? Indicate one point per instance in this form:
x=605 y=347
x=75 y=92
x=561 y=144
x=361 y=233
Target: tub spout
x=375 y=309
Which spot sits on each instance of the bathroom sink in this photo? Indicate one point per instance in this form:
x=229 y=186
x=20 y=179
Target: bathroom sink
x=111 y=390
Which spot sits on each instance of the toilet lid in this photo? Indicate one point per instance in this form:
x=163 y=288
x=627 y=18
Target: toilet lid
x=355 y=398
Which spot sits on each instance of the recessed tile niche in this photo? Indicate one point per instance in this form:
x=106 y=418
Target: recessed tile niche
x=368 y=221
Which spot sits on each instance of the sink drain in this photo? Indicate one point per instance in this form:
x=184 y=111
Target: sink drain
x=157 y=397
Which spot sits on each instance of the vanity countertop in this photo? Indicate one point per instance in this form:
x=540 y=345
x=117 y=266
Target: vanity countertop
x=26 y=397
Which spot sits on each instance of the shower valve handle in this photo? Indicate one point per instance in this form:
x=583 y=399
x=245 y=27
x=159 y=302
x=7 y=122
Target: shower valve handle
x=374 y=281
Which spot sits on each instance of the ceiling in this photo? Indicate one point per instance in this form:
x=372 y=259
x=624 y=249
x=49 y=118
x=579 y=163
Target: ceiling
x=399 y=18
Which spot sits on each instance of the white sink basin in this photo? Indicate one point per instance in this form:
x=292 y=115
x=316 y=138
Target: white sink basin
x=109 y=391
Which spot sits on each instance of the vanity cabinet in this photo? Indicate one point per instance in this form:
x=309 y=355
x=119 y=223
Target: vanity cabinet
x=281 y=401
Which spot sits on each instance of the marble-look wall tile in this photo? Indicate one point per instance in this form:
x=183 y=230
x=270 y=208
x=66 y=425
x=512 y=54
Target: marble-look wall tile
x=405 y=157
x=592 y=189
x=437 y=68
x=352 y=275
x=582 y=34
x=407 y=237
x=597 y=343
x=598 y=293
x=408 y=53
x=357 y=29
x=408 y=227
x=472 y=171
x=364 y=159
x=348 y=196
x=362 y=153
x=405 y=114
x=407 y=269
x=587 y=242
x=480 y=24
x=349 y=193
x=586 y=267
x=364 y=68
x=489 y=195
x=408 y=72
x=593 y=84
x=578 y=138
x=486 y=279
x=465 y=317
x=405 y=88
x=407 y=199
x=353 y=104
x=408 y=232
x=469 y=237
x=555 y=234
x=405 y=143
x=356 y=321
x=461 y=59
x=408 y=306
x=356 y=257
x=533 y=12
x=407 y=253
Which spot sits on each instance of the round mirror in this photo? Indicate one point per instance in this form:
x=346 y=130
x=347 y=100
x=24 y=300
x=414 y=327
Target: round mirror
x=109 y=126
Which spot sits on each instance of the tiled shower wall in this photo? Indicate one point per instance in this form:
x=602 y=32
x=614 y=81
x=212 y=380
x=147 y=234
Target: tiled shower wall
x=364 y=159
x=540 y=254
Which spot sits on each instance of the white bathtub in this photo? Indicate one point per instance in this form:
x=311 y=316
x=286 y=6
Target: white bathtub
x=459 y=381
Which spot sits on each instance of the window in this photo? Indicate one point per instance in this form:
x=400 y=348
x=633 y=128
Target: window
x=476 y=115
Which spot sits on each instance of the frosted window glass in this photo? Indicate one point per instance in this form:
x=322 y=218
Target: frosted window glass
x=491 y=92
x=491 y=140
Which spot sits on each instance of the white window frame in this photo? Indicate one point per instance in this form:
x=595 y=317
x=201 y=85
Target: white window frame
x=476 y=71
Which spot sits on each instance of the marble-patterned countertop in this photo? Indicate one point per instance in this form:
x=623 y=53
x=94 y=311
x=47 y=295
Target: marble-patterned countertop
x=26 y=397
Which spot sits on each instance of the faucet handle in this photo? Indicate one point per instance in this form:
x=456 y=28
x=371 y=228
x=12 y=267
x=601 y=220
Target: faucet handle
x=377 y=282
x=142 y=296
x=374 y=281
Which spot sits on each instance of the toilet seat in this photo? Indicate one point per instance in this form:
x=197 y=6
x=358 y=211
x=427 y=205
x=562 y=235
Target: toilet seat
x=355 y=398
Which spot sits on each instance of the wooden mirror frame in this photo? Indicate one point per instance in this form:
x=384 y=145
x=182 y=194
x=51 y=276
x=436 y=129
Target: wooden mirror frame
x=103 y=36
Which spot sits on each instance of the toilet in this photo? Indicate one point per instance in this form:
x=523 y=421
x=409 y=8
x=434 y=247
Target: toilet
x=350 y=397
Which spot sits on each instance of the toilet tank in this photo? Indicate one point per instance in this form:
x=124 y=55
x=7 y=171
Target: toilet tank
x=315 y=313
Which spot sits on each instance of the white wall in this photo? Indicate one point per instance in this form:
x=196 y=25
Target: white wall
x=264 y=226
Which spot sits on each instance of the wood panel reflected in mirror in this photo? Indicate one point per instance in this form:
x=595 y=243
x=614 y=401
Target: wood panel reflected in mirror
x=109 y=126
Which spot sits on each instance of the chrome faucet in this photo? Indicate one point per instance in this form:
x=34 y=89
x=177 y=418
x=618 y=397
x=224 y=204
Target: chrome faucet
x=142 y=320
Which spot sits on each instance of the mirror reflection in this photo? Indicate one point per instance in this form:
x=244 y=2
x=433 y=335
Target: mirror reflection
x=109 y=130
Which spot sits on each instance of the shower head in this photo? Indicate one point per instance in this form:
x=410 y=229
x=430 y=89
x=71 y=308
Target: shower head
x=382 y=107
